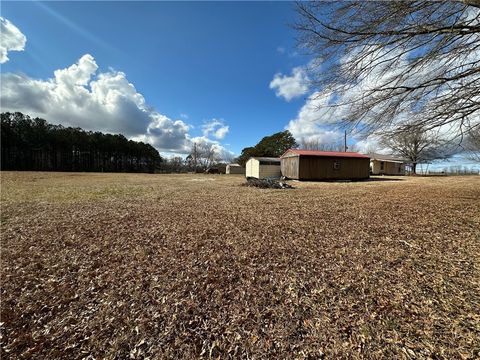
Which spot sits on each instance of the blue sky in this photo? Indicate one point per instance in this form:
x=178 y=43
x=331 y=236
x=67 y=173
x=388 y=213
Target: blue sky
x=191 y=61
x=168 y=73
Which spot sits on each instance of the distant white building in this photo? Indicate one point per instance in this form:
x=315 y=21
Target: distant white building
x=386 y=165
x=263 y=168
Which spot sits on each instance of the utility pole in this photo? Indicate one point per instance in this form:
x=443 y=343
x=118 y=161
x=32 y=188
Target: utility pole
x=195 y=156
x=345 y=141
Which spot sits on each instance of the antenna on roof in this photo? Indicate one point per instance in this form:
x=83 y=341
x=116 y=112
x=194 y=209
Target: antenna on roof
x=345 y=141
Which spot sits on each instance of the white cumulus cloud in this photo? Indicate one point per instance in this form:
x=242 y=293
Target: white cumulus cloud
x=292 y=86
x=166 y=134
x=314 y=122
x=216 y=128
x=77 y=96
x=80 y=95
x=11 y=39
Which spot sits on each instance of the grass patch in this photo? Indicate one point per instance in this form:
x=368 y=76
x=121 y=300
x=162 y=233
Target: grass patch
x=167 y=266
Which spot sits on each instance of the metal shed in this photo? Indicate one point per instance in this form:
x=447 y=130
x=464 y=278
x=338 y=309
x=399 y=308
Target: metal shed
x=324 y=165
x=235 y=169
x=263 y=168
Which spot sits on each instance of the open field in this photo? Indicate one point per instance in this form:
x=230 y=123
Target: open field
x=190 y=266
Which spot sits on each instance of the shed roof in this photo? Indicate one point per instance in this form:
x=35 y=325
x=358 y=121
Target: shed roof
x=383 y=157
x=234 y=165
x=345 y=154
x=266 y=158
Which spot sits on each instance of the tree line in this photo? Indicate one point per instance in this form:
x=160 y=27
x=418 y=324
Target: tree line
x=34 y=144
x=205 y=156
x=270 y=146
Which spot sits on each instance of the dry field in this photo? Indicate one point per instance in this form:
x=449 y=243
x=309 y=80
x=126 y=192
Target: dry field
x=196 y=266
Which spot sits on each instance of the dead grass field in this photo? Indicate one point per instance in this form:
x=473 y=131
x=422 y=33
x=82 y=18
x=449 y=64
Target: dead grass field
x=196 y=266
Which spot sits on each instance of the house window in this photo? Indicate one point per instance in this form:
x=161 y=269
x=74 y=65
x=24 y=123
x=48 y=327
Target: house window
x=336 y=165
x=382 y=165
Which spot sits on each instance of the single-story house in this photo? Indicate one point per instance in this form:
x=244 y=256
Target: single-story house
x=235 y=169
x=263 y=168
x=324 y=165
x=386 y=165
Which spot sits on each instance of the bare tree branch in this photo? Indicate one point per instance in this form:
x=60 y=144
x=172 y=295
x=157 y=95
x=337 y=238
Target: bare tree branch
x=418 y=145
x=392 y=64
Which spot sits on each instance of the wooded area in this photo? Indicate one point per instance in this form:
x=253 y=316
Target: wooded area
x=34 y=144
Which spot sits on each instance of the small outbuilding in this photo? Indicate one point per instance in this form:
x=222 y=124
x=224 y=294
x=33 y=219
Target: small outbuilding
x=324 y=165
x=263 y=168
x=221 y=168
x=216 y=169
x=235 y=169
x=386 y=165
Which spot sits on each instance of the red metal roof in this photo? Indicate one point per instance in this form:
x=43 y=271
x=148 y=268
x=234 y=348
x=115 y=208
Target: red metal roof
x=325 y=153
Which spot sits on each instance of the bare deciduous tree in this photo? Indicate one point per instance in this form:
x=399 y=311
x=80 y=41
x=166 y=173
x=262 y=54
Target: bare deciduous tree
x=202 y=156
x=389 y=63
x=315 y=144
x=472 y=144
x=228 y=158
x=419 y=145
x=372 y=149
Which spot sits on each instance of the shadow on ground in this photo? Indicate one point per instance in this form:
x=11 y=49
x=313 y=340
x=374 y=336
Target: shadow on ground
x=383 y=179
x=349 y=181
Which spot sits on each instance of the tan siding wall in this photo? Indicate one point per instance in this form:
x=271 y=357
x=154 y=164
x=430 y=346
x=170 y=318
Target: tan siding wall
x=290 y=167
x=235 y=170
x=270 y=171
x=375 y=166
x=256 y=168
x=253 y=168
x=322 y=168
x=390 y=168
x=393 y=168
